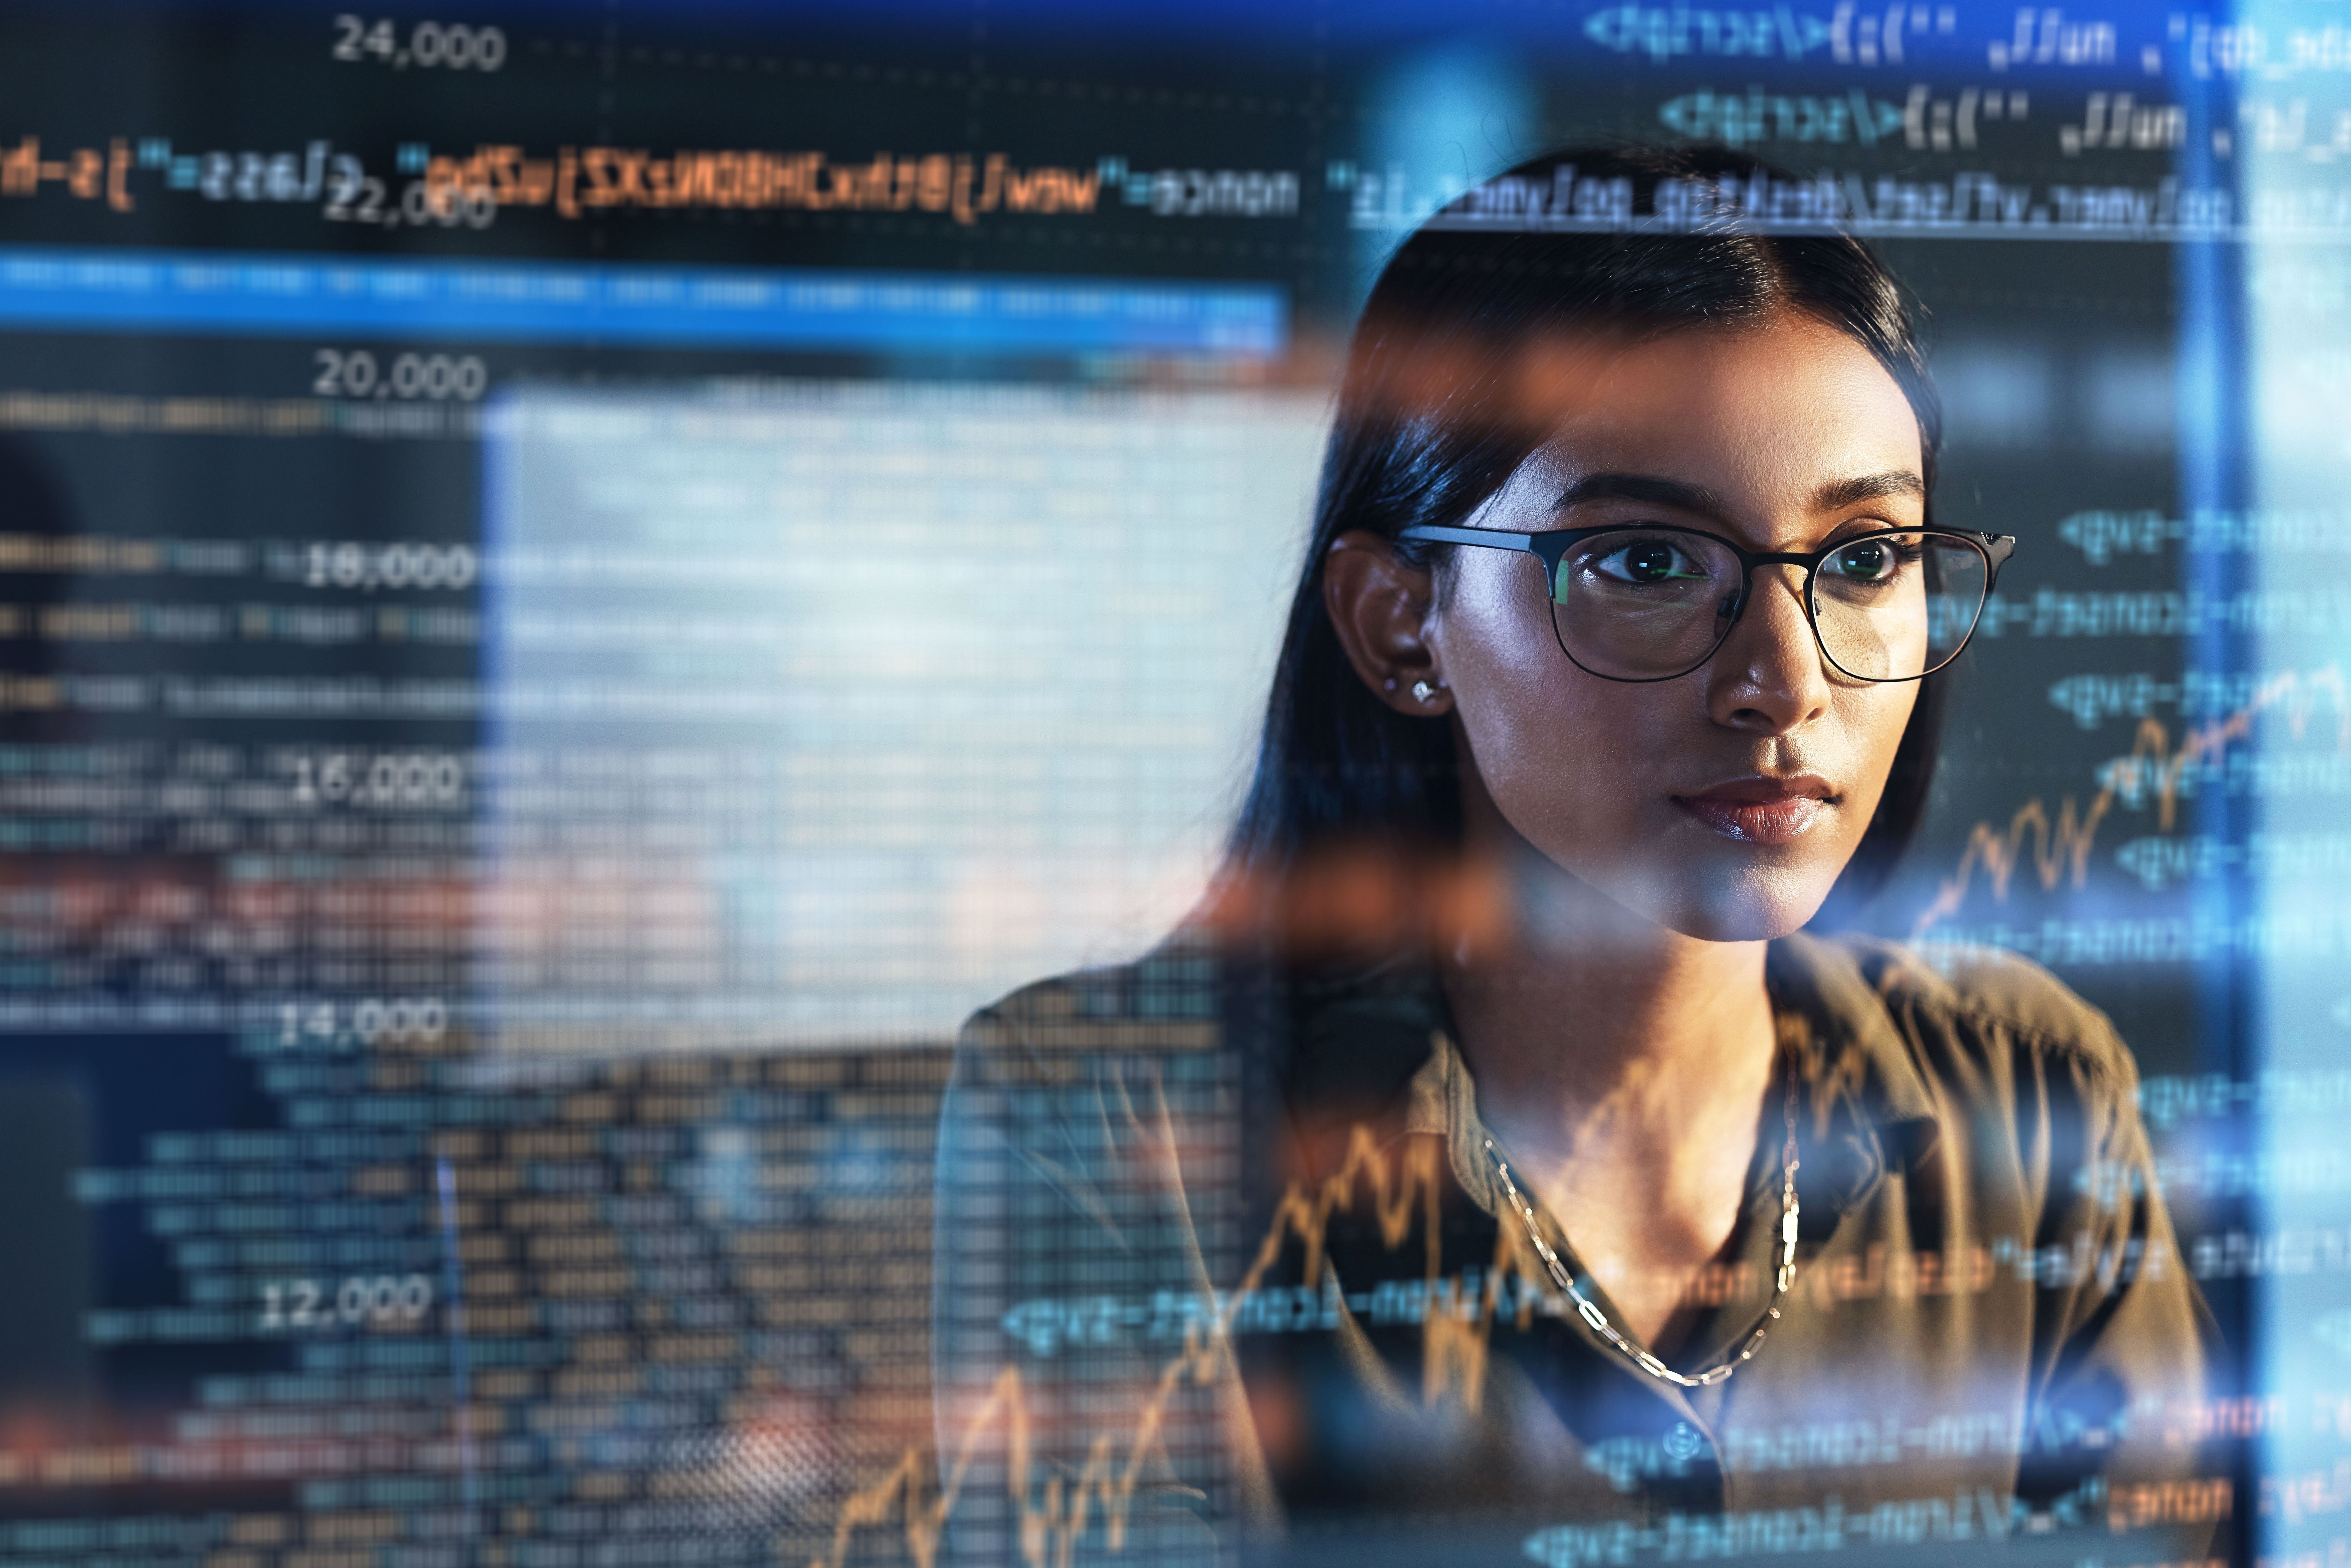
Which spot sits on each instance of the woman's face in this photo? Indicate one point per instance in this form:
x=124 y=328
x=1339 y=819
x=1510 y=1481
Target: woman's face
x=1722 y=803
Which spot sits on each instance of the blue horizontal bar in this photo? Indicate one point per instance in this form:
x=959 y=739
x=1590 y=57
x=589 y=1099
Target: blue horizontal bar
x=251 y=295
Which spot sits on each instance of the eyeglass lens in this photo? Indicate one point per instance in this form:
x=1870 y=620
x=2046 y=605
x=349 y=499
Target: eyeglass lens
x=1647 y=604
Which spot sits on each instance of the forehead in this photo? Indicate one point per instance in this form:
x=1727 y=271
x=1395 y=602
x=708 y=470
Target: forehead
x=1763 y=418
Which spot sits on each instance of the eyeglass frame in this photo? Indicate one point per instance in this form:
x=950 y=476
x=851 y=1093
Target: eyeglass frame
x=1550 y=545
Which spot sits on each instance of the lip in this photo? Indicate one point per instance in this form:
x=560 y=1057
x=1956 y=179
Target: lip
x=1759 y=809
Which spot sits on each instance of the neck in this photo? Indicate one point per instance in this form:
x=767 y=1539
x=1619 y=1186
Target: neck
x=1622 y=1066
x=1584 y=1023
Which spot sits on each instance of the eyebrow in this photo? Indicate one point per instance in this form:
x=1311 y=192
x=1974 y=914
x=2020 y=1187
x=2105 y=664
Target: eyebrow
x=1839 y=494
x=1660 y=491
x=1654 y=488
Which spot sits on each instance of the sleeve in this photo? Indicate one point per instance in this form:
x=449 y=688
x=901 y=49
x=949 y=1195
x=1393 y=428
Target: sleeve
x=2126 y=1348
x=1079 y=1408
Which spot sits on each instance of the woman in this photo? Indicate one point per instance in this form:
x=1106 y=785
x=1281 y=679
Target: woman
x=1497 y=1168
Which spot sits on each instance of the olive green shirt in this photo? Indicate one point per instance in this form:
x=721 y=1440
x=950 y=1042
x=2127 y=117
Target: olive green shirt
x=1223 y=1262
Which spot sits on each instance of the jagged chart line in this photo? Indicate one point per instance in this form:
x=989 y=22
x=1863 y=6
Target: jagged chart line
x=2065 y=845
x=1454 y=1348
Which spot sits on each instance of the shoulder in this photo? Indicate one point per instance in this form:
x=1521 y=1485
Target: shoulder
x=1990 y=991
x=1969 y=1020
x=1171 y=1002
x=1168 y=999
x=1089 y=1085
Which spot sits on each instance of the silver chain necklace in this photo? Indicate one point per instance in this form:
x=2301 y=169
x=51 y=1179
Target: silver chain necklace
x=1790 y=1209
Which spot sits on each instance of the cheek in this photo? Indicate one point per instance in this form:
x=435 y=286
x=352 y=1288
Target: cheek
x=1572 y=771
x=1493 y=635
x=1875 y=718
x=1557 y=748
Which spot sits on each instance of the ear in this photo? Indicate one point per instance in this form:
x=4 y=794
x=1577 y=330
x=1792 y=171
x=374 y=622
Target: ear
x=1380 y=607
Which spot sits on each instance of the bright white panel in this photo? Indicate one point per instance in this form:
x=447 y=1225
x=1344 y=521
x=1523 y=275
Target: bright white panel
x=830 y=711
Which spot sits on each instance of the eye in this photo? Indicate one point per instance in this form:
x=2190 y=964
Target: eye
x=1649 y=561
x=1874 y=560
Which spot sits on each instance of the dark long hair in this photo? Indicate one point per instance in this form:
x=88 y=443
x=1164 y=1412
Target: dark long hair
x=1432 y=420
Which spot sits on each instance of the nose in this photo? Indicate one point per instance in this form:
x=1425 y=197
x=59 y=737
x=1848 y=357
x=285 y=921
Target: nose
x=1768 y=676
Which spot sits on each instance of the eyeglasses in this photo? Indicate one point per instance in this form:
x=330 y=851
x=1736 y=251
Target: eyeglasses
x=1652 y=601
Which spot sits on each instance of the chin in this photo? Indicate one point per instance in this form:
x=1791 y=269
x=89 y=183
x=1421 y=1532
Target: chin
x=1746 y=904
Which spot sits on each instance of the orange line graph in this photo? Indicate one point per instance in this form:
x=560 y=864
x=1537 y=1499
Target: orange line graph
x=1454 y=1351
x=2152 y=767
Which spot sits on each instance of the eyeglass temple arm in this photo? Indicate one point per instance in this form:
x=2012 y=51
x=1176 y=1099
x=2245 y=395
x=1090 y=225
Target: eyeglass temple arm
x=1493 y=538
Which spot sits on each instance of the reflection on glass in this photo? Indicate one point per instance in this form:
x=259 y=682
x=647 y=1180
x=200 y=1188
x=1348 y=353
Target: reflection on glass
x=581 y=588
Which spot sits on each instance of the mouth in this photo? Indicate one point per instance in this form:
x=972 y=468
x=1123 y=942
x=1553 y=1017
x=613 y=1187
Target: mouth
x=1762 y=810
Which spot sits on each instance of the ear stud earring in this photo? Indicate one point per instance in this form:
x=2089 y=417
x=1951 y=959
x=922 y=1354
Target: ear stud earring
x=1423 y=691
